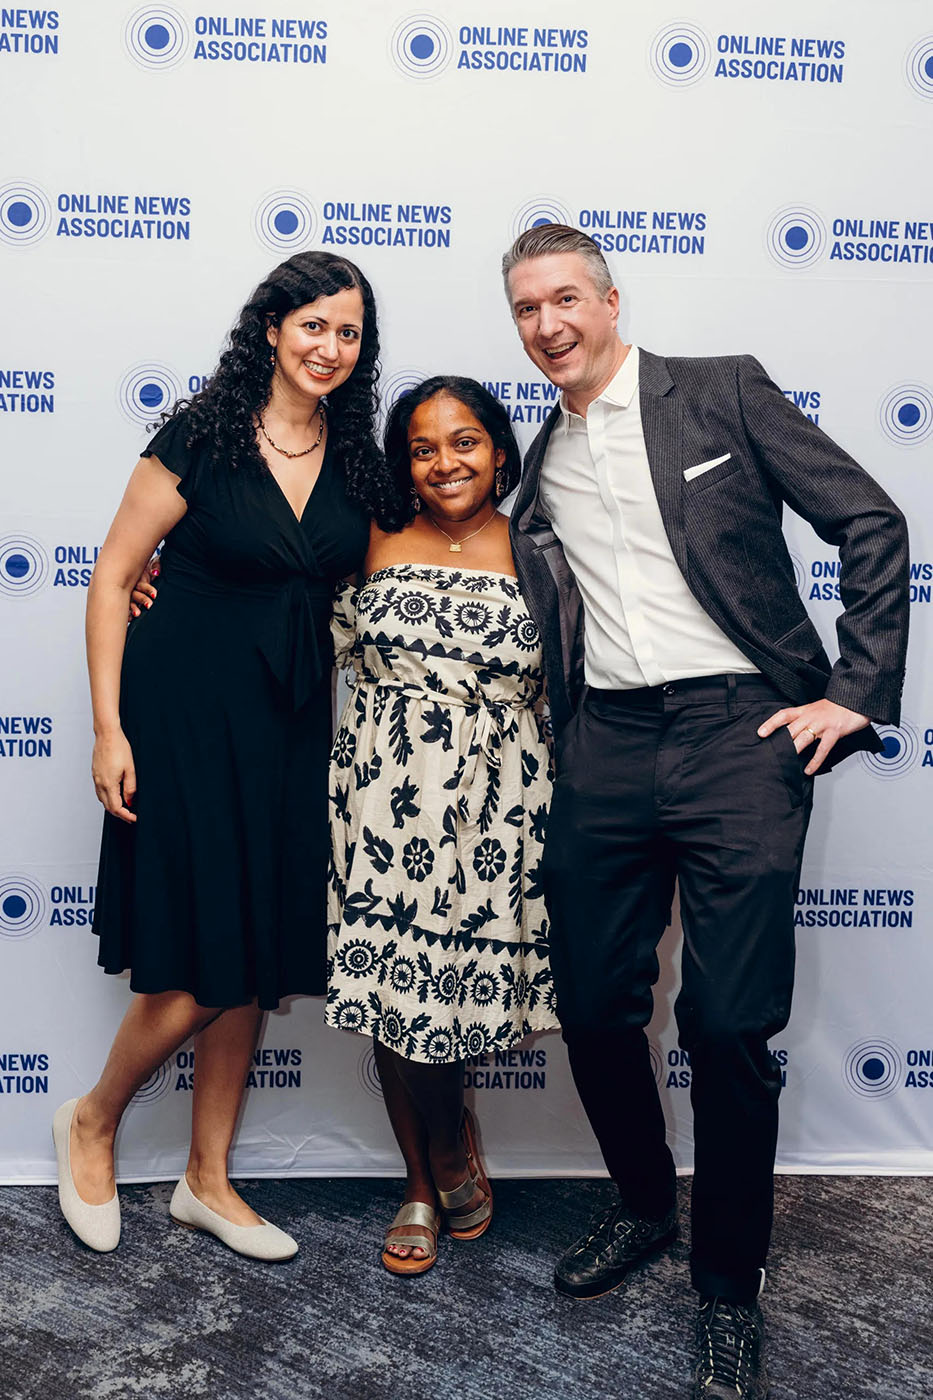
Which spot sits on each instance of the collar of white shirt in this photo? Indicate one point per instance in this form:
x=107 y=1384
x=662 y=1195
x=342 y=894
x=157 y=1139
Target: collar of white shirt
x=619 y=392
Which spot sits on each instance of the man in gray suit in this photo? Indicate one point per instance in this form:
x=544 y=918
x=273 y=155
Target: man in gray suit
x=692 y=703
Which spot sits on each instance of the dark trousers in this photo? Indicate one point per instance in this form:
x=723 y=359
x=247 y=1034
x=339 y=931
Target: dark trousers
x=672 y=782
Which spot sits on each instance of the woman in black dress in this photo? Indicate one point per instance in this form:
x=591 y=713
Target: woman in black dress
x=213 y=723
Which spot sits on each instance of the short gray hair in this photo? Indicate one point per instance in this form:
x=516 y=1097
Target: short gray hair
x=549 y=239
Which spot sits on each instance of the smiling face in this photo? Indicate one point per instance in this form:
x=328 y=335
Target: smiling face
x=568 y=329
x=317 y=345
x=453 y=459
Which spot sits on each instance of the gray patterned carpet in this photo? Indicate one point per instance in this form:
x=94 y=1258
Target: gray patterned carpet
x=173 y=1315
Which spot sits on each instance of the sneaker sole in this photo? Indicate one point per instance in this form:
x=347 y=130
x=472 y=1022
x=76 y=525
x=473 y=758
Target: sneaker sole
x=589 y=1293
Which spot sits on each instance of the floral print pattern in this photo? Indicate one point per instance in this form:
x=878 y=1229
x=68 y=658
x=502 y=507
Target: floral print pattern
x=439 y=789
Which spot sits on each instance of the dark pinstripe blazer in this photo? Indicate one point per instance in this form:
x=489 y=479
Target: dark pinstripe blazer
x=724 y=528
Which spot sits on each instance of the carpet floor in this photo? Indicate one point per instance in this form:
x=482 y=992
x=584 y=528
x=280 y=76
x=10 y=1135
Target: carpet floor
x=173 y=1315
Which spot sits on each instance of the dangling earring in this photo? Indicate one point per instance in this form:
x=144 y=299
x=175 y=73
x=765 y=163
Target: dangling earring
x=415 y=501
x=500 y=483
x=272 y=357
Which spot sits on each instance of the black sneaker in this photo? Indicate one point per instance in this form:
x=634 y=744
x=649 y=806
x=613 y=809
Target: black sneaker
x=729 y=1352
x=614 y=1244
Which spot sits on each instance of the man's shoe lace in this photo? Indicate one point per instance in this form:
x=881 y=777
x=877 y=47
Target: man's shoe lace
x=728 y=1345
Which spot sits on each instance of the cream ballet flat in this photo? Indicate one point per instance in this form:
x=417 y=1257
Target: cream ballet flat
x=263 y=1241
x=96 y=1226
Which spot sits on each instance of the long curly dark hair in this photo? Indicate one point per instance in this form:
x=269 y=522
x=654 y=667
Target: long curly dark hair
x=486 y=408
x=223 y=412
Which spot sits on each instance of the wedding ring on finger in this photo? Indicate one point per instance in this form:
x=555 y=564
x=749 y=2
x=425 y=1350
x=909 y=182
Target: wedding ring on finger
x=808 y=730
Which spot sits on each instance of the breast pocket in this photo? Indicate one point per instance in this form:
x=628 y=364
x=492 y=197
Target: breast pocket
x=706 y=474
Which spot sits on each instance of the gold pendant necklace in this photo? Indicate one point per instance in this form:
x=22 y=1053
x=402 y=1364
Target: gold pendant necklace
x=456 y=546
x=284 y=451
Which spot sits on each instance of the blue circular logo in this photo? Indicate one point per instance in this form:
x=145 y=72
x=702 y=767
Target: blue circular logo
x=368 y=1074
x=900 y=753
x=285 y=221
x=156 y=37
x=919 y=66
x=148 y=390
x=24 y=565
x=402 y=382
x=23 y=906
x=421 y=46
x=155 y=1086
x=800 y=573
x=796 y=237
x=680 y=54
x=873 y=1068
x=535 y=213
x=25 y=213
x=906 y=414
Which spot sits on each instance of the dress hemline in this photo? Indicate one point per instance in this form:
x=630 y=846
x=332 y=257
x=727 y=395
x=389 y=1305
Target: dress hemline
x=208 y=1004
x=551 y=1028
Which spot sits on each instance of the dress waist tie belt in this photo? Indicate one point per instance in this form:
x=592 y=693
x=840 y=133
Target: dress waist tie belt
x=295 y=638
x=493 y=720
x=296 y=647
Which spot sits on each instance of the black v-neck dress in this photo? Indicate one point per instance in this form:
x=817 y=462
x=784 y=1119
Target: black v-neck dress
x=219 y=888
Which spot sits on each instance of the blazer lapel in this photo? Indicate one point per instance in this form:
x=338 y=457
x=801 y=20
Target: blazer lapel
x=662 y=424
x=546 y=582
x=526 y=512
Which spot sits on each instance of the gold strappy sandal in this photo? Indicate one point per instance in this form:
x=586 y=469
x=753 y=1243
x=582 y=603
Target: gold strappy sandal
x=414 y=1213
x=475 y=1222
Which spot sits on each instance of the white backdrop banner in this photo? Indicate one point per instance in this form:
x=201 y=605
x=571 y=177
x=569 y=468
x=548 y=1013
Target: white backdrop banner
x=758 y=177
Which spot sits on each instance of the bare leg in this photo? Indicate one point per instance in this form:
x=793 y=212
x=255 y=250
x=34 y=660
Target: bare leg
x=223 y=1051
x=436 y=1093
x=412 y=1138
x=153 y=1027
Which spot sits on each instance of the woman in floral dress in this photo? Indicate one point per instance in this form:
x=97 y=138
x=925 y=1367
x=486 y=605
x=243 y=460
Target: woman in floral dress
x=439 y=791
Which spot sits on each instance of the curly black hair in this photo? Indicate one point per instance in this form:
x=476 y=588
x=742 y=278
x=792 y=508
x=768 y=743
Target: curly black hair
x=481 y=403
x=224 y=411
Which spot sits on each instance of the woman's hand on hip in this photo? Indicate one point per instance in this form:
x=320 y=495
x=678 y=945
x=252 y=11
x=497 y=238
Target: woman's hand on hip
x=114 y=774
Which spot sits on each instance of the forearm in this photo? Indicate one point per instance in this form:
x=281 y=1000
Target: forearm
x=107 y=608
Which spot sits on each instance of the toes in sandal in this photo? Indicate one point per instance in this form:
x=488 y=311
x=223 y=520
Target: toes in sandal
x=473 y=1224
x=414 y=1213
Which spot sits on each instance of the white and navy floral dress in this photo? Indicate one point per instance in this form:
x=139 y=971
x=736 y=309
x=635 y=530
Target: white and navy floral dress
x=439 y=790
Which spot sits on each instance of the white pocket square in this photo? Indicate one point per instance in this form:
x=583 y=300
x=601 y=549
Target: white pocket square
x=691 y=472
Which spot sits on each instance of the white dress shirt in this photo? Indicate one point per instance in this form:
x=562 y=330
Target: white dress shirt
x=642 y=625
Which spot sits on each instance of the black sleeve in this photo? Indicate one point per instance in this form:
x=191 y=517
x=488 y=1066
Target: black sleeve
x=172 y=450
x=847 y=508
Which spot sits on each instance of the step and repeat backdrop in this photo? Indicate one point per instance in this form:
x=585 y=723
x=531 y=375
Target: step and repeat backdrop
x=758 y=177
